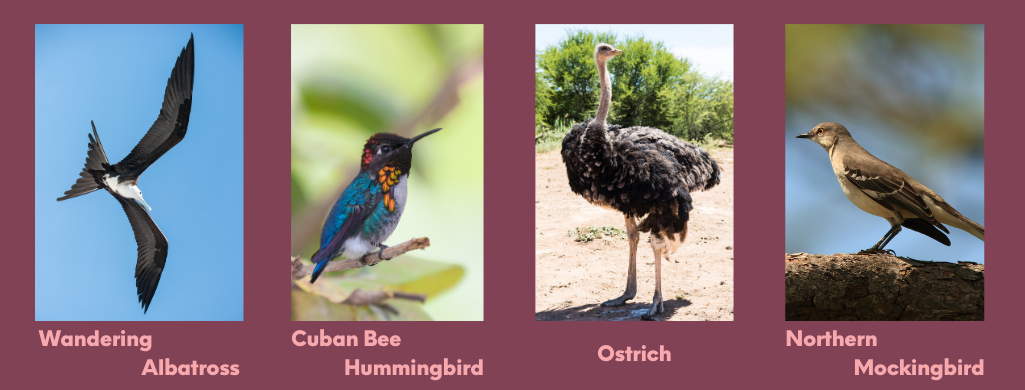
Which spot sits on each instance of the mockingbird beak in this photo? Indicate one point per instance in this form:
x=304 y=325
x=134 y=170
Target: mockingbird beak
x=806 y=135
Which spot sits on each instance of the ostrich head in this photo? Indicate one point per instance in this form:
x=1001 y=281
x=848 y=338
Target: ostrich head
x=604 y=51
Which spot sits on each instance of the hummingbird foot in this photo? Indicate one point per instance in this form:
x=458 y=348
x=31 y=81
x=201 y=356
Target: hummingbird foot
x=383 y=247
x=379 y=258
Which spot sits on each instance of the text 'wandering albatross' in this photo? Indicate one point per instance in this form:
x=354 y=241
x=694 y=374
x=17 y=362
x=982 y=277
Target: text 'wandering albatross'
x=121 y=180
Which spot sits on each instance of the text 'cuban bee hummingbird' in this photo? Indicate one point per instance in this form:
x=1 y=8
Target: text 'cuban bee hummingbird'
x=370 y=207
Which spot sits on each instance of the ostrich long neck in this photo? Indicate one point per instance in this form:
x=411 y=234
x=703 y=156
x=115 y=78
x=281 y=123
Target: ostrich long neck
x=606 y=93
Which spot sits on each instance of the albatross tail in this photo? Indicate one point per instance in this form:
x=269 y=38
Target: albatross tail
x=92 y=174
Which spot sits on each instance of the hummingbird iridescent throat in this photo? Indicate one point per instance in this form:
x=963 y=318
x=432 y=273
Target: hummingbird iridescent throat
x=370 y=207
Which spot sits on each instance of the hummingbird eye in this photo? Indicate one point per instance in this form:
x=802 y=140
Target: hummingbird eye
x=386 y=148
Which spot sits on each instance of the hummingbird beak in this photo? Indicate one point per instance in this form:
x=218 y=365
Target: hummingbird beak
x=410 y=143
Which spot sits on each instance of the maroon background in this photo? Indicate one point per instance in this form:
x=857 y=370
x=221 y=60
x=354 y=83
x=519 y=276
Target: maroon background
x=518 y=351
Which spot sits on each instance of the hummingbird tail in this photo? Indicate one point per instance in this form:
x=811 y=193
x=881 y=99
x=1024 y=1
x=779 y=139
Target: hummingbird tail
x=319 y=270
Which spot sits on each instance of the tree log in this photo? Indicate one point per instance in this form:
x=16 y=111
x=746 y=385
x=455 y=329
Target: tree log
x=882 y=287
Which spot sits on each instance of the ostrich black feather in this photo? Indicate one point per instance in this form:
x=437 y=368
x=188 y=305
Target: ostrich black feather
x=638 y=171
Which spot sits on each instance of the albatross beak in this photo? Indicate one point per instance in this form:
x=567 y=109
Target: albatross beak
x=144 y=203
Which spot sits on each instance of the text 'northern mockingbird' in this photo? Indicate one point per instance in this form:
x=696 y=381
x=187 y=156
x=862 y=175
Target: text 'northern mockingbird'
x=882 y=190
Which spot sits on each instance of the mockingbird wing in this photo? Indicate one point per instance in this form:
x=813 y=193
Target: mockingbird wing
x=887 y=185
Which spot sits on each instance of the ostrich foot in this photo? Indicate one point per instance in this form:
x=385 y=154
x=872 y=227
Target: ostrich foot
x=656 y=308
x=619 y=301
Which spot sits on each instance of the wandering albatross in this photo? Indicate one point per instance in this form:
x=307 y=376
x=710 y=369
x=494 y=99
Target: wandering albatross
x=121 y=180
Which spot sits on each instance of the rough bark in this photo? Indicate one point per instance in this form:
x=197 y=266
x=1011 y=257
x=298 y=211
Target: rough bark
x=882 y=287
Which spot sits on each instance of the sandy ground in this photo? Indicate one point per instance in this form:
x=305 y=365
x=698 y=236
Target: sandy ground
x=572 y=278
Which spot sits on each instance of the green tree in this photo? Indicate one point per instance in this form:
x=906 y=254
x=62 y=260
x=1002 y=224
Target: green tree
x=640 y=76
x=568 y=69
x=701 y=107
x=650 y=87
x=542 y=100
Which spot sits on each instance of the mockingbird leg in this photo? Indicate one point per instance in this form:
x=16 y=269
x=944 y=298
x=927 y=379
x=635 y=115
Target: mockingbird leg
x=633 y=235
x=658 y=244
x=878 y=248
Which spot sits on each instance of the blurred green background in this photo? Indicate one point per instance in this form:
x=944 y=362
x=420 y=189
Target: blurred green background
x=351 y=81
x=912 y=95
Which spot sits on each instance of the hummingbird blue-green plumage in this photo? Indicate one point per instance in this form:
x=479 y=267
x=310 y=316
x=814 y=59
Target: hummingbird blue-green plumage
x=370 y=207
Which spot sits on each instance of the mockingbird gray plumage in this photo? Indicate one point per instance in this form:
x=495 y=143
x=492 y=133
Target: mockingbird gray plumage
x=882 y=190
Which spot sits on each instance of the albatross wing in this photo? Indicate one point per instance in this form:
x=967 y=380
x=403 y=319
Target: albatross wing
x=152 y=250
x=171 y=124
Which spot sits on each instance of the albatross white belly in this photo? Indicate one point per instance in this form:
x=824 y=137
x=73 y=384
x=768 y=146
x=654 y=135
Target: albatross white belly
x=126 y=190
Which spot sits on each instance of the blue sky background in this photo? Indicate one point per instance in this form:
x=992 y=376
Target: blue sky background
x=913 y=96
x=708 y=46
x=85 y=249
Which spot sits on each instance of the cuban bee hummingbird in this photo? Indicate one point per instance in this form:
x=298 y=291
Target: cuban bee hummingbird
x=370 y=207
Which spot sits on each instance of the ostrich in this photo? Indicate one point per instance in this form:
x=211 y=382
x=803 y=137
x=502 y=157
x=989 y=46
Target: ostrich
x=638 y=171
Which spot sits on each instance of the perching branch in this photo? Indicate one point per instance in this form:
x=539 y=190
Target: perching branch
x=299 y=270
x=882 y=287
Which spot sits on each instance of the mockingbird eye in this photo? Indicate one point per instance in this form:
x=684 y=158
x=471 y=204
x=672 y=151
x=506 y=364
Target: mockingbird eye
x=819 y=132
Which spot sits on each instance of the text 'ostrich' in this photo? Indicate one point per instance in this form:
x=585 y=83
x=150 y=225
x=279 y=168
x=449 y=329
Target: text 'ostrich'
x=639 y=171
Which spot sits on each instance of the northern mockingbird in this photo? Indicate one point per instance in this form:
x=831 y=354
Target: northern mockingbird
x=882 y=190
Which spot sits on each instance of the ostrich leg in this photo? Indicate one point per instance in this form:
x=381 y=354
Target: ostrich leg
x=658 y=244
x=631 y=277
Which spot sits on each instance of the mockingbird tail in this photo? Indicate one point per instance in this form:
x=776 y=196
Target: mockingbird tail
x=947 y=215
x=926 y=228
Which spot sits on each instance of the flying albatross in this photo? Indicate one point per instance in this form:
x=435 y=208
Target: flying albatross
x=121 y=180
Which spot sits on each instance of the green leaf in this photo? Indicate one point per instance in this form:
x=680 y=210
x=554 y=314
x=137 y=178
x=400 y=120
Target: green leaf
x=311 y=307
x=322 y=300
x=419 y=276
